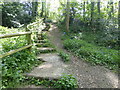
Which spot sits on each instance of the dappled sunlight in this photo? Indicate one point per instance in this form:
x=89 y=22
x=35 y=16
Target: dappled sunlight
x=113 y=79
x=50 y=38
x=45 y=66
x=53 y=27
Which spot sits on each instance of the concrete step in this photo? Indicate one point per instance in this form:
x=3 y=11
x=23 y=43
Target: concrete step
x=49 y=57
x=48 y=70
x=42 y=44
x=39 y=37
x=41 y=41
x=36 y=44
x=46 y=49
x=39 y=34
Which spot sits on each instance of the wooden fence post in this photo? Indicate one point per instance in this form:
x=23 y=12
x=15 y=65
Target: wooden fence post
x=28 y=37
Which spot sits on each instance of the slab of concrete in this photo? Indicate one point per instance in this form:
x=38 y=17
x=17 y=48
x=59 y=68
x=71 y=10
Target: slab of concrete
x=53 y=68
x=48 y=70
x=45 y=48
x=50 y=57
x=40 y=41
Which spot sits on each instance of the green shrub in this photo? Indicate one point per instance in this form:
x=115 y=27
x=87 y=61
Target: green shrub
x=65 y=57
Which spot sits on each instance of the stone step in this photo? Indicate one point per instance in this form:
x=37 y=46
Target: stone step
x=39 y=34
x=39 y=37
x=46 y=49
x=36 y=44
x=42 y=44
x=40 y=41
x=48 y=70
x=49 y=57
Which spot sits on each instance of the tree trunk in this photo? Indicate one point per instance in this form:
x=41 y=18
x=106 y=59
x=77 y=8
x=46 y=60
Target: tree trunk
x=42 y=9
x=67 y=15
x=34 y=8
x=119 y=16
x=119 y=22
x=45 y=10
x=92 y=13
x=98 y=6
x=111 y=8
x=84 y=11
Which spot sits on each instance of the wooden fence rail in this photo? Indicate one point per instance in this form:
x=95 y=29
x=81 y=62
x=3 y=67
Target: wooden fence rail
x=28 y=37
x=14 y=51
x=14 y=34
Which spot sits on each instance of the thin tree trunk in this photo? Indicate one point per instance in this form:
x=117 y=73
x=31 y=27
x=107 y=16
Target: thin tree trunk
x=84 y=11
x=34 y=8
x=119 y=23
x=98 y=6
x=67 y=15
x=87 y=9
x=45 y=10
x=42 y=9
x=92 y=13
x=111 y=8
x=119 y=16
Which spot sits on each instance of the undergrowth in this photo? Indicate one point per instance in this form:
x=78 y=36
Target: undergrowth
x=13 y=66
x=64 y=83
x=91 y=52
x=65 y=57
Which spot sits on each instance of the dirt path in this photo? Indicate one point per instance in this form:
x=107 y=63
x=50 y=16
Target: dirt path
x=88 y=76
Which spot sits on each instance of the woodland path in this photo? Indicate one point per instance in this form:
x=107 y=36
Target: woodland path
x=88 y=76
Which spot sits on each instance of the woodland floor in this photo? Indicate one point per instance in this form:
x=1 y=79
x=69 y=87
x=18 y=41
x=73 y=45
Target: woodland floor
x=88 y=76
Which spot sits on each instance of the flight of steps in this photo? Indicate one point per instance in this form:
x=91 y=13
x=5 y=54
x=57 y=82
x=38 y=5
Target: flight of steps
x=52 y=67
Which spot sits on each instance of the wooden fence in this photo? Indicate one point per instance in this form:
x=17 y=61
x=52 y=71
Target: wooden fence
x=29 y=42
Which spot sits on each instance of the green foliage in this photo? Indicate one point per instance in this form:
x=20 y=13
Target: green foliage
x=101 y=21
x=37 y=82
x=44 y=45
x=65 y=57
x=6 y=30
x=66 y=82
x=48 y=21
x=13 y=43
x=108 y=40
x=15 y=14
x=92 y=53
x=15 y=65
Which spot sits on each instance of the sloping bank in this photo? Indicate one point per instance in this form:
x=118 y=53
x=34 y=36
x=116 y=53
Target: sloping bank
x=92 y=53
